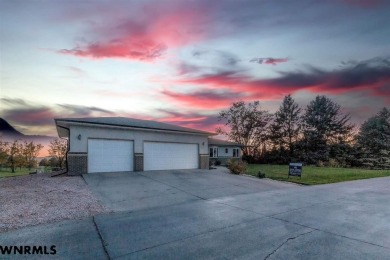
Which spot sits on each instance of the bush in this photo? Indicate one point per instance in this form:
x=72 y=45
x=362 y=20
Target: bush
x=333 y=163
x=217 y=162
x=261 y=175
x=320 y=164
x=236 y=166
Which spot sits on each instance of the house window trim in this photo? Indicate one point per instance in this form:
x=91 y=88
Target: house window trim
x=237 y=152
x=215 y=151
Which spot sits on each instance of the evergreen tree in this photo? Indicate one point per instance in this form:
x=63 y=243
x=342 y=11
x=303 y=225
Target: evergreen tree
x=287 y=125
x=374 y=140
x=324 y=124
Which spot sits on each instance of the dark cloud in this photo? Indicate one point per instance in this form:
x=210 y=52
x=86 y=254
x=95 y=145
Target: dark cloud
x=13 y=101
x=270 y=61
x=30 y=116
x=26 y=114
x=35 y=119
x=209 y=62
x=222 y=58
x=207 y=122
x=82 y=111
x=371 y=76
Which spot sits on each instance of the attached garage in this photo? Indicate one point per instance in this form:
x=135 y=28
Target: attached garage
x=117 y=144
x=110 y=155
x=170 y=156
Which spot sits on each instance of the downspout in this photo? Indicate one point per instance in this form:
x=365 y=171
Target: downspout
x=66 y=154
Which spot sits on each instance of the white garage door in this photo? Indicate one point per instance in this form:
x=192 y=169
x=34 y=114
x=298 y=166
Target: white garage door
x=170 y=156
x=110 y=155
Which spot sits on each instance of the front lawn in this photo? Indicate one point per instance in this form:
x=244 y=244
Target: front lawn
x=312 y=175
x=6 y=172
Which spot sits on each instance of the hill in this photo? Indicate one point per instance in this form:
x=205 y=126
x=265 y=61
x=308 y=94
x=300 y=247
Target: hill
x=9 y=133
x=7 y=130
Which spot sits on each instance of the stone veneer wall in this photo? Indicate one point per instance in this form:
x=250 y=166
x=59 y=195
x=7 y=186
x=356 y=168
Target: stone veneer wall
x=138 y=162
x=77 y=163
x=204 y=161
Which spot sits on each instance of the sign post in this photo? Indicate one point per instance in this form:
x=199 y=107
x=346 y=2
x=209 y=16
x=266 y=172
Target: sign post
x=295 y=169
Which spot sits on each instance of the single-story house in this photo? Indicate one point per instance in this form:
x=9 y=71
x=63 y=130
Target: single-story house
x=220 y=151
x=114 y=144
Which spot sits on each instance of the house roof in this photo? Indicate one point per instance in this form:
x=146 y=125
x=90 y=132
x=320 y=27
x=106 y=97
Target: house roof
x=219 y=142
x=128 y=122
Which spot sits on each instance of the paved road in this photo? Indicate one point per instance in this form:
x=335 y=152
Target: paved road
x=211 y=215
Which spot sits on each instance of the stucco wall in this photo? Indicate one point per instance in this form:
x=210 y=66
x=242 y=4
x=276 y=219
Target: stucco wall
x=81 y=146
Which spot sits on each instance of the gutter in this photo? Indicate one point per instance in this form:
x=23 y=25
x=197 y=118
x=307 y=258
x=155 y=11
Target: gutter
x=66 y=154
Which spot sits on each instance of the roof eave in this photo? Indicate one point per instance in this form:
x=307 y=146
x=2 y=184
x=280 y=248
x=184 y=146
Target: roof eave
x=70 y=122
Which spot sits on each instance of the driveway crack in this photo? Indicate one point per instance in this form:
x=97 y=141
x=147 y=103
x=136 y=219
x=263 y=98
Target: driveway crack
x=101 y=239
x=285 y=242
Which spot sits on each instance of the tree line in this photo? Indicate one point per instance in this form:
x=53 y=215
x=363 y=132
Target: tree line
x=18 y=154
x=320 y=134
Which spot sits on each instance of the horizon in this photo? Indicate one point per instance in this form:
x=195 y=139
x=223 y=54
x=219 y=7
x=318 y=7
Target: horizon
x=182 y=62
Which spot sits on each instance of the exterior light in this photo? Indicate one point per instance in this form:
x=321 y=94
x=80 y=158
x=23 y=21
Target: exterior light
x=79 y=137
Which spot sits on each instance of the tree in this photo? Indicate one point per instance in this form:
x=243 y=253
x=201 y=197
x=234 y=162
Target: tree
x=57 y=149
x=247 y=124
x=287 y=125
x=324 y=124
x=3 y=153
x=44 y=162
x=30 y=153
x=53 y=162
x=14 y=155
x=374 y=140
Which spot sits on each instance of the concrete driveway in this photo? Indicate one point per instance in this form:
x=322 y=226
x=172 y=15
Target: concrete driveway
x=129 y=191
x=210 y=215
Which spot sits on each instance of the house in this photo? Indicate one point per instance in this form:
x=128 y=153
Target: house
x=220 y=151
x=115 y=144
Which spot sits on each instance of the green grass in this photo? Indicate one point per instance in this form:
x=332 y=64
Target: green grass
x=312 y=175
x=6 y=172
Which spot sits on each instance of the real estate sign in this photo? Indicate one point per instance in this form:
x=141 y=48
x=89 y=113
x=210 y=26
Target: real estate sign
x=295 y=169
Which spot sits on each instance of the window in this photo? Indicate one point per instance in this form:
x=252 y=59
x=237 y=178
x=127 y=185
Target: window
x=226 y=150
x=236 y=152
x=213 y=152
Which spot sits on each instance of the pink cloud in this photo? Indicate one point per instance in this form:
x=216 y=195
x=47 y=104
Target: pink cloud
x=144 y=38
x=209 y=99
x=220 y=88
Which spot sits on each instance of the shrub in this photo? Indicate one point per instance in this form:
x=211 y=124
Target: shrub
x=333 y=163
x=320 y=164
x=217 y=162
x=261 y=175
x=236 y=166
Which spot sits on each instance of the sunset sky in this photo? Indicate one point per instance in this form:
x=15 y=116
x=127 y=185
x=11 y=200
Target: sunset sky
x=183 y=61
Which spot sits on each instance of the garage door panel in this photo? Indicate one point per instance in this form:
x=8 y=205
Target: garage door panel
x=110 y=155
x=169 y=156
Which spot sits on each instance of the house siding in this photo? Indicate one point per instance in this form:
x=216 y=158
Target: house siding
x=223 y=157
x=138 y=136
x=78 y=148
